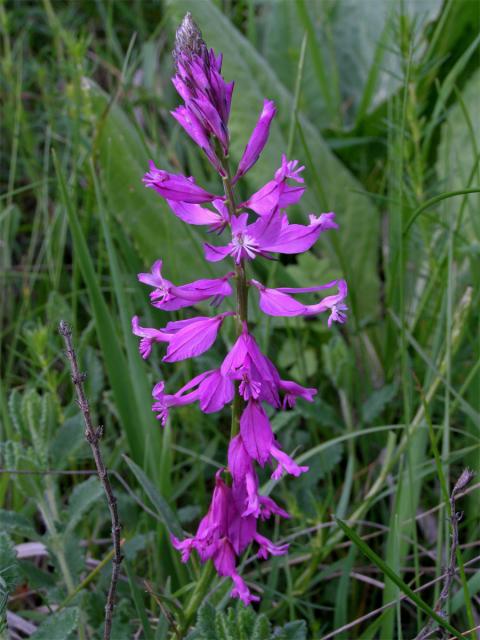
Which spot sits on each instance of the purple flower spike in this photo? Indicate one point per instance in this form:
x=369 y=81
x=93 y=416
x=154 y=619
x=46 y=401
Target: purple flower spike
x=175 y=187
x=258 y=139
x=246 y=379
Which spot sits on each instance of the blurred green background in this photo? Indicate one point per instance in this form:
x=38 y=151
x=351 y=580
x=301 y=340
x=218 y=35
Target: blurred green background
x=379 y=99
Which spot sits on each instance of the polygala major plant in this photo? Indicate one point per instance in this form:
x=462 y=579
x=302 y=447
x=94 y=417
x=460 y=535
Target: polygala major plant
x=246 y=379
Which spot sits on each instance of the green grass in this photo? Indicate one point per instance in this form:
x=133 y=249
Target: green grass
x=379 y=101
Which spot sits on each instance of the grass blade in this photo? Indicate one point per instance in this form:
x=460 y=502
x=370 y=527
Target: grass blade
x=388 y=571
x=115 y=362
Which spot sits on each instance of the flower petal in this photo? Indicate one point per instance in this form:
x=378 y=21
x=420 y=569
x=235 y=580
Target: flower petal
x=175 y=187
x=257 y=434
x=258 y=139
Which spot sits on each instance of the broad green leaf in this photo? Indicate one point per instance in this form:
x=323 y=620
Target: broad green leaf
x=155 y=230
x=16 y=524
x=377 y=401
x=261 y=629
x=206 y=621
x=161 y=505
x=82 y=499
x=458 y=154
x=140 y=384
x=355 y=40
x=58 y=626
x=67 y=441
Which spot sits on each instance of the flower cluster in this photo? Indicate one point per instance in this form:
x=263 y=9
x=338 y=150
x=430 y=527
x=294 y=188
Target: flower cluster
x=246 y=378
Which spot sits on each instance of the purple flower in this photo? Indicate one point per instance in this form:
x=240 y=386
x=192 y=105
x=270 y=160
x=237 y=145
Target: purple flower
x=277 y=192
x=186 y=338
x=175 y=187
x=189 y=121
x=197 y=215
x=245 y=481
x=168 y=297
x=269 y=234
x=269 y=508
x=258 y=377
x=192 y=337
x=257 y=141
x=199 y=82
x=260 y=444
x=246 y=378
x=148 y=337
x=278 y=302
x=268 y=548
x=222 y=534
x=212 y=391
x=292 y=391
x=206 y=95
x=256 y=432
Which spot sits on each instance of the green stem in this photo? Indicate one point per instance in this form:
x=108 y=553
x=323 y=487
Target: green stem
x=238 y=402
x=241 y=298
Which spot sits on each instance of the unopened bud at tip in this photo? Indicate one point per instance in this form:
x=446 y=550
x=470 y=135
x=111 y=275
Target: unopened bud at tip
x=188 y=39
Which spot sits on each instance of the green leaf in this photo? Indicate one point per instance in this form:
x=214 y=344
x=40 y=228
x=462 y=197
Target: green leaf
x=296 y=630
x=458 y=152
x=138 y=601
x=373 y=557
x=58 y=626
x=377 y=401
x=261 y=629
x=206 y=621
x=67 y=441
x=9 y=567
x=112 y=352
x=164 y=510
x=348 y=47
x=16 y=523
x=140 y=384
x=83 y=497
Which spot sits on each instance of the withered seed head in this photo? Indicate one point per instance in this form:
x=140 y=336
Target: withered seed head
x=463 y=480
x=188 y=39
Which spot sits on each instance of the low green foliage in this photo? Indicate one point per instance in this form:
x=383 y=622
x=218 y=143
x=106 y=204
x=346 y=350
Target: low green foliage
x=242 y=623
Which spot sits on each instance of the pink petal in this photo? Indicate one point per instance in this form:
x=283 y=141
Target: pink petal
x=215 y=254
x=258 y=139
x=257 y=434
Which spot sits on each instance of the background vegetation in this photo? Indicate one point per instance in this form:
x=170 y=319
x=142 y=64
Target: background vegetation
x=379 y=99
